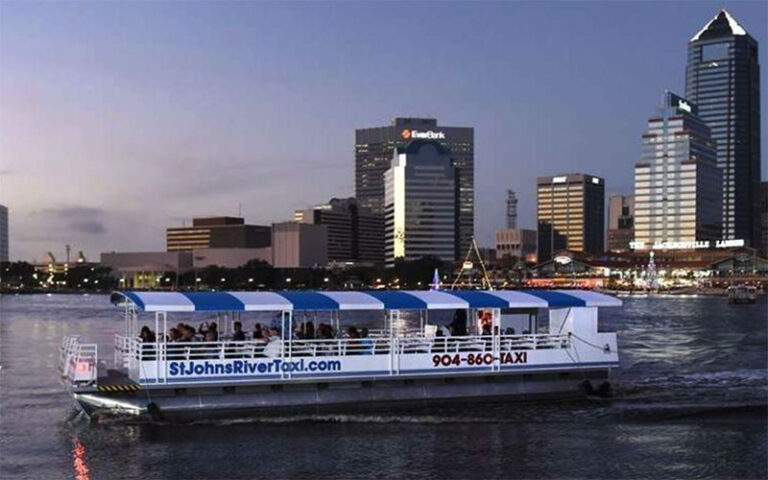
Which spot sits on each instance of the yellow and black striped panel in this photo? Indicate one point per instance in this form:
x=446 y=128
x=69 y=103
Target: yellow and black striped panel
x=132 y=387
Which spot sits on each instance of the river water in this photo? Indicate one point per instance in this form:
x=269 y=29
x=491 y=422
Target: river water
x=690 y=403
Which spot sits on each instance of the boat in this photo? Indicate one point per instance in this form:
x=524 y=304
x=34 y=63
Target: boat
x=742 y=294
x=513 y=345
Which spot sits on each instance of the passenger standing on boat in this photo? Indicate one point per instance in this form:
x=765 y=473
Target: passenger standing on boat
x=147 y=338
x=238 y=335
x=459 y=324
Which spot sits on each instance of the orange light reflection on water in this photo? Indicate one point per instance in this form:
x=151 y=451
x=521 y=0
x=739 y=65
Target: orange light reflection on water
x=78 y=461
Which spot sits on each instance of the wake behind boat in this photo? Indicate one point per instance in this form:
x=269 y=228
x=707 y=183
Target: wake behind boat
x=511 y=345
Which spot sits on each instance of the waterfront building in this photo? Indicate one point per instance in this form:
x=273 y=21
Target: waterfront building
x=299 y=245
x=511 y=210
x=355 y=234
x=723 y=79
x=217 y=232
x=678 y=185
x=374 y=148
x=621 y=222
x=516 y=243
x=147 y=270
x=712 y=266
x=420 y=203
x=570 y=214
x=4 y=255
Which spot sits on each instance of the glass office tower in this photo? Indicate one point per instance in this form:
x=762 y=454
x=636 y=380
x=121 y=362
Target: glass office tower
x=374 y=148
x=723 y=79
x=678 y=185
x=420 y=203
x=570 y=210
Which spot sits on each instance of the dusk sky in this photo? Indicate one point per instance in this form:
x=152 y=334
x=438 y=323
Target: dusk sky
x=120 y=119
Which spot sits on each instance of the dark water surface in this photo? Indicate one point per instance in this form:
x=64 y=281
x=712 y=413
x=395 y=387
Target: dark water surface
x=690 y=403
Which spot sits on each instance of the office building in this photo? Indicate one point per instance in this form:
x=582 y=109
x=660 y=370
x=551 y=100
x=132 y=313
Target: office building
x=570 y=214
x=764 y=219
x=4 y=255
x=299 y=245
x=355 y=234
x=511 y=210
x=516 y=243
x=621 y=222
x=723 y=79
x=420 y=203
x=374 y=148
x=217 y=232
x=678 y=186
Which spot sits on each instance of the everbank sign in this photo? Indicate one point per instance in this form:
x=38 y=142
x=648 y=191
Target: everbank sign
x=408 y=134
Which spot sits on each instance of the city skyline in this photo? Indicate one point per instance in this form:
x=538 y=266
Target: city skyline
x=119 y=122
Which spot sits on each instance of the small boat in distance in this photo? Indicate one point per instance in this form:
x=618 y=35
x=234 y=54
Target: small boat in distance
x=742 y=294
x=509 y=345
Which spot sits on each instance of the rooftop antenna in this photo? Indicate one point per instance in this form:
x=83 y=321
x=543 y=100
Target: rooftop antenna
x=67 y=247
x=239 y=209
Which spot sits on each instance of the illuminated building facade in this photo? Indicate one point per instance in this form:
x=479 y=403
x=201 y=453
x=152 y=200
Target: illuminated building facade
x=678 y=186
x=420 y=203
x=723 y=79
x=374 y=148
x=570 y=212
x=217 y=232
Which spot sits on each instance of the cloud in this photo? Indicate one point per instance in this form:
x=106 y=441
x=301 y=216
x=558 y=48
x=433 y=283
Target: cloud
x=77 y=218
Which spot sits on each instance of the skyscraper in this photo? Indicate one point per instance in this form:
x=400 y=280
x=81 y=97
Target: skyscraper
x=374 y=148
x=621 y=222
x=420 y=203
x=570 y=210
x=4 y=234
x=678 y=185
x=723 y=79
x=511 y=210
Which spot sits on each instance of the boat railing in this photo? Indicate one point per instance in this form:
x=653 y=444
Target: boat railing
x=65 y=351
x=130 y=349
x=80 y=361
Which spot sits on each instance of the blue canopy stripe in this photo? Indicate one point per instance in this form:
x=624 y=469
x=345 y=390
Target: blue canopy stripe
x=397 y=300
x=478 y=299
x=307 y=300
x=557 y=299
x=214 y=301
x=135 y=299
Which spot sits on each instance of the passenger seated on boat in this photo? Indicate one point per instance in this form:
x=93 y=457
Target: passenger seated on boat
x=509 y=331
x=309 y=331
x=238 y=335
x=174 y=335
x=324 y=331
x=366 y=342
x=353 y=346
x=459 y=324
x=274 y=343
x=212 y=334
x=202 y=329
x=187 y=334
x=258 y=334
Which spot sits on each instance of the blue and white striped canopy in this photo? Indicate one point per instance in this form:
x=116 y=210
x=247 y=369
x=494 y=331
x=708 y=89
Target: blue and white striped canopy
x=367 y=300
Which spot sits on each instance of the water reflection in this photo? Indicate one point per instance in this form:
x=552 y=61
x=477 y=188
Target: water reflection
x=78 y=461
